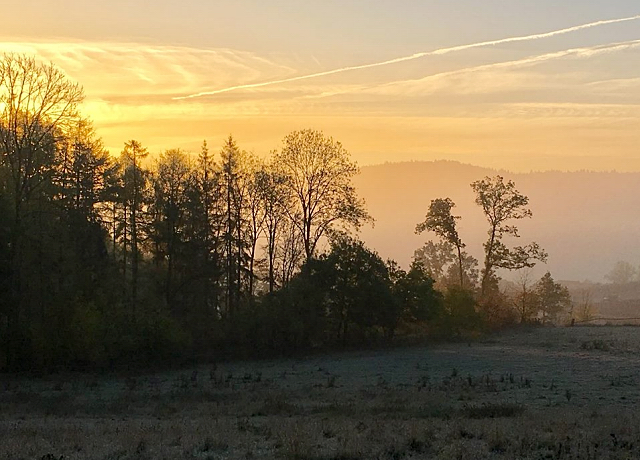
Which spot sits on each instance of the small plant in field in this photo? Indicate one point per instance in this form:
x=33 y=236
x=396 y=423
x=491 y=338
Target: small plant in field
x=182 y=382
x=596 y=344
x=216 y=380
x=493 y=410
x=131 y=383
x=58 y=386
x=328 y=433
x=276 y=405
x=525 y=382
x=423 y=382
x=293 y=444
x=210 y=445
x=91 y=384
x=498 y=442
x=141 y=448
x=621 y=380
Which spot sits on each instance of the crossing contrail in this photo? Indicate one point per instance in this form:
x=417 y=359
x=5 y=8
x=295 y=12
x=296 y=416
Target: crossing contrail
x=573 y=52
x=414 y=56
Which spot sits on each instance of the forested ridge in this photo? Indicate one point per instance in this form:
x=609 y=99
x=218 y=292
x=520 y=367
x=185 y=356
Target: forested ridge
x=107 y=259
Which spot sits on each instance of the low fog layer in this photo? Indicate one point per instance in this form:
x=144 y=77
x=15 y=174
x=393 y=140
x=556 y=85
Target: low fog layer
x=586 y=221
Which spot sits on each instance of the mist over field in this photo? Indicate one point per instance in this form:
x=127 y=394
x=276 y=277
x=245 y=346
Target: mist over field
x=587 y=221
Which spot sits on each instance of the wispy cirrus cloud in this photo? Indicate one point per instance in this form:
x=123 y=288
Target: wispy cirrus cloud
x=506 y=106
x=447 y=80
x=111 y=69
x=411 y=57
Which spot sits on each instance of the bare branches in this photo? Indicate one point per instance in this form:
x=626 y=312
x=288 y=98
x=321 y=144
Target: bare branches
x=319 y=174
x=38 y=106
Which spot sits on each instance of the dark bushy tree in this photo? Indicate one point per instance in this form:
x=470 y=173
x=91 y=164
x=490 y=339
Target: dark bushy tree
x=553 y=297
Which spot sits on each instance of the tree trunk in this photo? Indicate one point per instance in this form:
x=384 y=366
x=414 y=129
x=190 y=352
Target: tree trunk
x=460 y=267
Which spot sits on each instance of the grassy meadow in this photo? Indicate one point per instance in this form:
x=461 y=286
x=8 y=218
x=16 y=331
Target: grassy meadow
x=556 y=393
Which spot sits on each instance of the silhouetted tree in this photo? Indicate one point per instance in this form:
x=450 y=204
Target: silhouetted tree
x=171 y=182
x=274 y=195
x=38 y=106
x=359 y=291
x=460 y=311
x=440 y=221
x=621 y=273
x=526 y=300
x=319 y=174
x=554 y=298
x=501 y=202
x=441 y=263
x=206 y=226
x=234 y=180
x=135 y=197
x=256 y=214
x=414 y=290
x=435 y=258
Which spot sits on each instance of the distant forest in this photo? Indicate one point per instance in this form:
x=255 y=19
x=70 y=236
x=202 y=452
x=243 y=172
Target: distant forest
x=109 y=260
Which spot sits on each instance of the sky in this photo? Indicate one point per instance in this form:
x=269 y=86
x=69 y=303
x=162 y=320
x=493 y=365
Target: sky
x=392 y=80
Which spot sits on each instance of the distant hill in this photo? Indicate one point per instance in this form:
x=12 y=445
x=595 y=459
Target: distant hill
x=586 y=221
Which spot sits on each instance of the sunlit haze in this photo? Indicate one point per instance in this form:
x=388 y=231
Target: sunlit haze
x=392 y=81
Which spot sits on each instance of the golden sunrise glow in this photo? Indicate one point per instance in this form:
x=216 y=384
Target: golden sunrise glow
x=551 y=94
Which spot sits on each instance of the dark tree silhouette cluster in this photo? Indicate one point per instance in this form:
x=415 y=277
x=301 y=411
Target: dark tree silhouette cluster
x=138 y=257
x=108 y=259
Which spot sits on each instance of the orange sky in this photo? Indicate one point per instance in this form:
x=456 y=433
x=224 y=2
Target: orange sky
x=569 y=100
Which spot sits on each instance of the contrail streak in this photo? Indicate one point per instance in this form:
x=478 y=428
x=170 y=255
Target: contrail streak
x=415 y=56
x=575 y=52
x=586 y=52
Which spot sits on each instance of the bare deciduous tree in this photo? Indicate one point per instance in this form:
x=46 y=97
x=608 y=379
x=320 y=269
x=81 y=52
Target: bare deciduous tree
x=38 y=104
x=525 y=299
x=319 y=174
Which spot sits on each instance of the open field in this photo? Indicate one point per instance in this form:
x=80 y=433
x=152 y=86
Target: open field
x=556 y=393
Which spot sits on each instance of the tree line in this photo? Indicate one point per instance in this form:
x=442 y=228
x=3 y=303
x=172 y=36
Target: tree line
x=106 y=259
x=544 y=301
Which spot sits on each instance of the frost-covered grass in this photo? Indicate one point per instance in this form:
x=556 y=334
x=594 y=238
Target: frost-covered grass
x=535 y=393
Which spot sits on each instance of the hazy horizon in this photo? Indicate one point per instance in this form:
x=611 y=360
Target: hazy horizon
x=581 y=218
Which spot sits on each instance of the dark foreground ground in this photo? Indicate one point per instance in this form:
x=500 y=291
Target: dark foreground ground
x=554 y=393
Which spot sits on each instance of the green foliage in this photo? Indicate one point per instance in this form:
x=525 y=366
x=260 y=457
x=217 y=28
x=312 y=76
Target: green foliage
x=461 y=315
x=359 y=287
x=414 y=291
x=348 y=295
